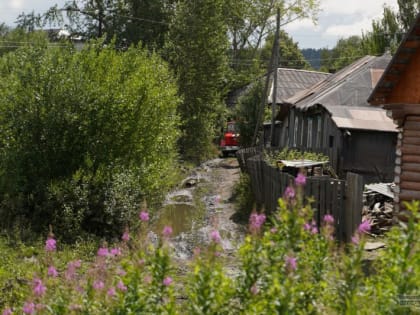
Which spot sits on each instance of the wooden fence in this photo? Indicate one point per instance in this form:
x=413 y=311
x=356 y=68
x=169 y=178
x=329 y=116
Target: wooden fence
x=343 y=199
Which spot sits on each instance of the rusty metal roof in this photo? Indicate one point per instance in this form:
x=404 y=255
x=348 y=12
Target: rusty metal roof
x=391 y=76
x=291 y=81
x=344 y=95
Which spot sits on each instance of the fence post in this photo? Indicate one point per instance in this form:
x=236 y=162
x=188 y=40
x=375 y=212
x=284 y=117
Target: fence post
x=353 y=205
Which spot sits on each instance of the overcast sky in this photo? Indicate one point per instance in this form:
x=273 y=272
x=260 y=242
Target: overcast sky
x=338 y=19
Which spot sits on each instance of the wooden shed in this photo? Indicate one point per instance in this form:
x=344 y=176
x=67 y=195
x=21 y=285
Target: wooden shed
x=398 y=91
x=333 y=117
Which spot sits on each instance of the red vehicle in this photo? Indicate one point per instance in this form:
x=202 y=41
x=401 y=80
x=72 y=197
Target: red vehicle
x=230 y=140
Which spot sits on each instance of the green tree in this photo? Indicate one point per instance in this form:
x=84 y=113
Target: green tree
x=198 y=52
x=129 y=21
x=290 y=56
x=85 y=136
x=344 y=53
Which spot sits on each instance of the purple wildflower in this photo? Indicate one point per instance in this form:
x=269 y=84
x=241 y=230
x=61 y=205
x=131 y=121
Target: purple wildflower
x=7 y=311
x=167 y=231
x=144 y=216
x=329 y=219
x=300 y=180
x=38 y=287
x=71 y=269
x=256 y=221
x=167 y=281
x=52 y=272
x=215 y=236
x=111 y=292
x=115 y=251
x=50 y=244
x=98 y=285
x=289 y=193
x=121 y=272
x=121 y=286
x=103 y=252
x=364 y=227
x=307 y=227
x=291 y=262
x=254 y=289
x=314 y=230
x=28 y=308
x=126 y=236
x=355 y=239
x=273 y=230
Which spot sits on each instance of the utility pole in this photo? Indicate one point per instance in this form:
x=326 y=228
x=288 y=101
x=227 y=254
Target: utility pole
x=276 y=65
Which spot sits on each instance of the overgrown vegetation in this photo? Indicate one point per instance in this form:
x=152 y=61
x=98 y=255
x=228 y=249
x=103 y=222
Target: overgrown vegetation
x=85 y=137
x=287 y=266
x=293 y=155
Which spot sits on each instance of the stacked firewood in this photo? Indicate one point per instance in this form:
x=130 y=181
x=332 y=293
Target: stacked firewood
x=378 y=210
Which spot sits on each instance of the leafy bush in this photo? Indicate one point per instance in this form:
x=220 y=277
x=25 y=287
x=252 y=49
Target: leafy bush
x=291 y=154
x=85 y=136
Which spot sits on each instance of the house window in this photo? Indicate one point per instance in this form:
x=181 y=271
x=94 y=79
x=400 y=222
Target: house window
x=309 y=138
x=295 y=131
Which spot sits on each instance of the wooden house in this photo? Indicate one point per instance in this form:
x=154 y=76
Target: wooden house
x=290 y=82
x=398 y=91
x=333 y=117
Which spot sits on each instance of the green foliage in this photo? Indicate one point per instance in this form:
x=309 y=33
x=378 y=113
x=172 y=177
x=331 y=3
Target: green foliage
x=294 y=266
x=344 y=53
x=244 y=197
x=197 y=49
x=247 y=112
x=292 y=155
x=85 y=136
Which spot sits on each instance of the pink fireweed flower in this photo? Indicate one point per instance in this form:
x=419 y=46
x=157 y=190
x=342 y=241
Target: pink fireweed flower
x=121 y=272
x=364 y=227
x=307 y=227
x=289 y=193
x=111 y=292
x=126 y=236
x=273 y=230
x=38 y=287
x=98 y=285
x=115 y=251
x=329 y=219
x=355 y=239
x=254 y=289
x=291 y=262
x=167 y=231
x=300 y=180
x=7 y=311
x=71 y=269
x=215 y=236
x=103 y=252
x=144 y=216
x=28 y=308
x=314 y=230
x=256 y=221
x=52 y=272
x=121 y=286
x=50 y=244
x=167 y=281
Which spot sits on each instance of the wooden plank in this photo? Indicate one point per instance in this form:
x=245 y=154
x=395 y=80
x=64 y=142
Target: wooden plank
x=411 y=140
x=411 y=133
x=410 y=158
x=409 y=167
x=413 y=118
x=334 y=202
x=409 y=195
x=354 y=204
x=410 y=149
x=315 y=191
x=412 y=125
x=410 y=176
x=407 y=185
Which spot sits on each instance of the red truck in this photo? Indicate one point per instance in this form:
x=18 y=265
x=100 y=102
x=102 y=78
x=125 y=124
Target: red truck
x=230 y=141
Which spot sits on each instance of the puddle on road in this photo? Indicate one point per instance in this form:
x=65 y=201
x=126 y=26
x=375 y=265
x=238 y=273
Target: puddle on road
x=181 y=217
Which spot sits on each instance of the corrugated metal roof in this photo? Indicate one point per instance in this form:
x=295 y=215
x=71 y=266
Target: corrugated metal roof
x=382 y=188
x=344 y=94
x=363 y=118
x=291 y=81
